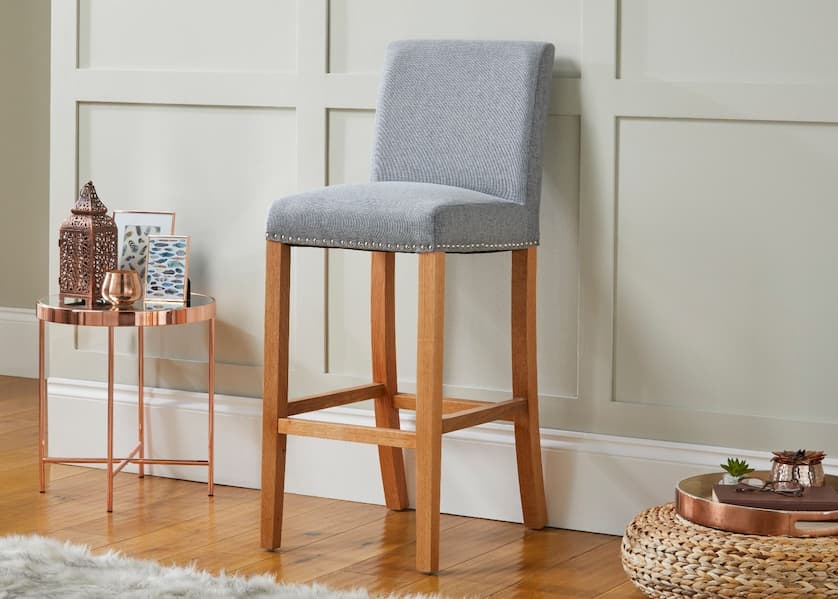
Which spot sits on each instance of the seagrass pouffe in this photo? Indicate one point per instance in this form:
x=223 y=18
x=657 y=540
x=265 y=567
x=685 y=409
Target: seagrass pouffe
x=666 y=555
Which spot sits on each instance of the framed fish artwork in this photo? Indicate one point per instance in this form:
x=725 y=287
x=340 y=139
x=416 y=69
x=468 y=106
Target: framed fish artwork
x=133 y=228
x=167 y=268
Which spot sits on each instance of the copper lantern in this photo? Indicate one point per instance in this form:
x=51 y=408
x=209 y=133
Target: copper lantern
x=87 y=248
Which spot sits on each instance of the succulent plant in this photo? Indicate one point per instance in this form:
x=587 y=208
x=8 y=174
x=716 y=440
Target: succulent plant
x=736 y=467
x=801 y=457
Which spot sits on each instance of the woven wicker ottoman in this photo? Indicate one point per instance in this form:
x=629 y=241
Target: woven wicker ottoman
x=665 y=555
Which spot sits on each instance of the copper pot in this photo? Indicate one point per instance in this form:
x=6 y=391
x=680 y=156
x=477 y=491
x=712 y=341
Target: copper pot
x=808 y=475
x=121 y=287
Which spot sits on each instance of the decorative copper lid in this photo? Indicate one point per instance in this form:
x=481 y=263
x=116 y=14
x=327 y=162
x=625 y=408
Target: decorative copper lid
x=89 y=202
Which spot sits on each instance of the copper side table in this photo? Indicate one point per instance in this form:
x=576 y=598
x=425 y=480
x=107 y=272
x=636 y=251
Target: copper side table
x=201 y=308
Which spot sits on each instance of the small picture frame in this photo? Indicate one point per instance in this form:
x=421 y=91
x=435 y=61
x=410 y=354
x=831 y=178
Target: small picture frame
x=167 y=268
x=133 y=228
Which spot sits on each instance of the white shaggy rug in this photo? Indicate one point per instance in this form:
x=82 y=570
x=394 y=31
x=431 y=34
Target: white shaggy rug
x=35 y=566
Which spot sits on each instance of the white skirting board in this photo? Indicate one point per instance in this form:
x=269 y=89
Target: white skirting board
x=18 y=342
x=594 y=482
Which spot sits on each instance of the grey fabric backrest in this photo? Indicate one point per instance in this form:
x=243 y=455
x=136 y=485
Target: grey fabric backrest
x=465 y=113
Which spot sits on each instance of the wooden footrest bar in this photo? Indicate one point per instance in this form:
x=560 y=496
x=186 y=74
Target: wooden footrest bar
x=504 y=410
x=463 y=413
x=457 y=414
x=390 y=437
x=407 y=401
x=332 y=399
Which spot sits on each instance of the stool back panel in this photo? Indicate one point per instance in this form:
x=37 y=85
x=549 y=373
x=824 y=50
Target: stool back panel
x=464 y=113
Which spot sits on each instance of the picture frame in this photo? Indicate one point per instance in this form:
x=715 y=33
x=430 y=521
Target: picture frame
x=167 y=269
x=133 y=228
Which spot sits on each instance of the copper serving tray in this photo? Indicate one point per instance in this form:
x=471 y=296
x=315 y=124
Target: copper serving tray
x=693 y=501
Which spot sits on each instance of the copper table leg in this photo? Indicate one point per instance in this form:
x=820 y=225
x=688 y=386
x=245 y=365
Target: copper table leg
x=42 y=407
x=140 y=398
x=211 y=394
x=110 y=419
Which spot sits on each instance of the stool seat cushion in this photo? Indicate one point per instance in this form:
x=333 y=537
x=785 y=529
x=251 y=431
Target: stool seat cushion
x=399 y=216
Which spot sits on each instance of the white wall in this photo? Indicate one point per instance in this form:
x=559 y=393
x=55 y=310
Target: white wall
x=24 y=172
x=685 y=289
x=24 y=150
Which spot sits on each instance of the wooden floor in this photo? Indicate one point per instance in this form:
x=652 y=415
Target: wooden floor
x=337 y=543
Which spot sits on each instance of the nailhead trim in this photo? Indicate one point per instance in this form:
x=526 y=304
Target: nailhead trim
x=397 y=246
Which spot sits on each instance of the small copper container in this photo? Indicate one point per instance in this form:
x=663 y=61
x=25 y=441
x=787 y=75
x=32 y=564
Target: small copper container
x=121 y=287
x=808 y=475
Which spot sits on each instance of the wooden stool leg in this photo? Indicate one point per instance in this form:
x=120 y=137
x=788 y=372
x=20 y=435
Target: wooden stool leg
x=429 y=408
x=383 y=336
x=275 y=398
x=525 y=384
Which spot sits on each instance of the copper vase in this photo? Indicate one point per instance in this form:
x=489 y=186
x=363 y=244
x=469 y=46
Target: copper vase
x=808 y=475
x=121 y=287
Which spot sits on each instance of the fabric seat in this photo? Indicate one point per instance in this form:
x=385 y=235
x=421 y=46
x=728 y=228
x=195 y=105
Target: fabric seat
x=400 y=217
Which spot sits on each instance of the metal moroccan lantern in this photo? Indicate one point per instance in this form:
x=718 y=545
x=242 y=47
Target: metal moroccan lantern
x=87 y=248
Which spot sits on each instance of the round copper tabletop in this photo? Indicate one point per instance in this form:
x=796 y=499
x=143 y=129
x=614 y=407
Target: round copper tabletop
x=140 y=314
x=694 y=501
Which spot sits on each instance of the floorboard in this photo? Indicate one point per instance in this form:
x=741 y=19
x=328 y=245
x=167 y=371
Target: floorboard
x=337 y=543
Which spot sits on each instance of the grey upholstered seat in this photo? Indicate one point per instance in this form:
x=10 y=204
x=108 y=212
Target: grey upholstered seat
x=400 y=217
x=456 y=158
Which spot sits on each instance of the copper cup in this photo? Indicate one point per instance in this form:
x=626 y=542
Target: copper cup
x=121 y=287
x=808 y=475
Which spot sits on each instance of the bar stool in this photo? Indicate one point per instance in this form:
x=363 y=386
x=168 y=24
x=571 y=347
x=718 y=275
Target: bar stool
x=456 y=169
